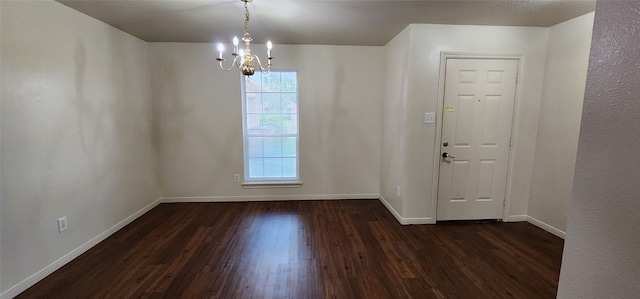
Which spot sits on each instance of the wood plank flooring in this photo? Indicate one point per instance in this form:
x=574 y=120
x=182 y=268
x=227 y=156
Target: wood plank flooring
x=308 y=249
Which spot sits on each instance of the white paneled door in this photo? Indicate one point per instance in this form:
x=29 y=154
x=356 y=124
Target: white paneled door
x=476 y=131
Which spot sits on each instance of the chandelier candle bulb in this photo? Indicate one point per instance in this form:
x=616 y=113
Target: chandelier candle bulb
x=269 y=47
x=235 y=44
x=220 y=50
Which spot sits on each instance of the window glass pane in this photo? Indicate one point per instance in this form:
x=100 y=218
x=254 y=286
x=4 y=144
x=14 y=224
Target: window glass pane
x=289 y=113
x=289 y=146
x=289 y=167
x=271 y=82
x=273 y=147
x=255 y=147
x=289 y=124
x=256 y=167
x=271 y=123
x=271 y=103
x=273 y=167
x=254 y=83
x=253 y=124
x=254 y=102
x=288 y=82
x=290 y=100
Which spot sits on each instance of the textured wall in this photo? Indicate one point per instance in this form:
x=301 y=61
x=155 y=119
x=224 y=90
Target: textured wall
x=76 y=133
x=199 y=119
x=559 y=122
x=602 y=249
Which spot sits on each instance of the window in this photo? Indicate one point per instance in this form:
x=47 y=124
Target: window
x=270 y=123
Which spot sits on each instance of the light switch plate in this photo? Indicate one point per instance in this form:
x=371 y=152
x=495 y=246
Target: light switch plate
x=430 y=118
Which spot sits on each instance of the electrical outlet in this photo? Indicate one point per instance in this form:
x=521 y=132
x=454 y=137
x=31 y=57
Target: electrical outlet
x=236 y=178
x=397 y=190
x=62 y=224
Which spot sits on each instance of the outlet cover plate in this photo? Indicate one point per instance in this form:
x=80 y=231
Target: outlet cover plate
x=62 y=224
x=430 y=118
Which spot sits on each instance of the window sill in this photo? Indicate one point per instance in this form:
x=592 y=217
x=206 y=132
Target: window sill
x=271 y=184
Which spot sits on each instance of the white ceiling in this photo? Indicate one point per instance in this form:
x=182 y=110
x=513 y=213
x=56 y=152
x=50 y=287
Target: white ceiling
x=348 y=22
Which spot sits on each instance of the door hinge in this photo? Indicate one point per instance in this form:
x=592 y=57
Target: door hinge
x=517 y=77
x=509 y=141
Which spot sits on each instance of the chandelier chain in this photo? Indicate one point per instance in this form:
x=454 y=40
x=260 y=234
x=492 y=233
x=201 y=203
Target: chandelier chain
x=246 y=18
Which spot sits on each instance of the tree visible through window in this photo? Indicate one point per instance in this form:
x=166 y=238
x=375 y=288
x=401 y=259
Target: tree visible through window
x=270 y=125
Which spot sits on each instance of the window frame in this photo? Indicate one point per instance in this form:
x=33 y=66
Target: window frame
x=269 y=182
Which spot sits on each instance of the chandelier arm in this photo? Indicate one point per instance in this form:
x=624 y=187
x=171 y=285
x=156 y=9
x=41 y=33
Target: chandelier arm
x=262 y=68
x=234 y=63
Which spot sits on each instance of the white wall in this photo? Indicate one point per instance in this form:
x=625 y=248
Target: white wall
x=426 y=44
x=602 y=248
x=198 y=119
x=394 y=121
x=559 y=122
x=76 y=136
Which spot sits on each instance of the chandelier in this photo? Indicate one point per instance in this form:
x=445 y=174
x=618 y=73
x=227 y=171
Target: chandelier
x=242 y=58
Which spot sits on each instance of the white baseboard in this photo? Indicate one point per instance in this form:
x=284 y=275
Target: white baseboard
x=33 y=279
x=424 y=220
x=267 y=198
x=391 y=209
x=546 y=227
x=405 y=221
x=516 y=218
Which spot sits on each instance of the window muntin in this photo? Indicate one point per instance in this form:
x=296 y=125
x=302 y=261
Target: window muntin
x=270 y=123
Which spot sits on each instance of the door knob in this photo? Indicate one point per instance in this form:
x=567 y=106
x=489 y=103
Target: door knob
x=446 y=155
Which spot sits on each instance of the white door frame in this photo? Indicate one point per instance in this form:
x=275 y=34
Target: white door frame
x=439 y=115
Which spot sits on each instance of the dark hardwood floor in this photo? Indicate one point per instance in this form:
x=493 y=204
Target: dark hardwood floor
x=308 y=249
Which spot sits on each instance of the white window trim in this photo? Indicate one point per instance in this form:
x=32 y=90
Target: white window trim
x=263 y=182
x=271 y=184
